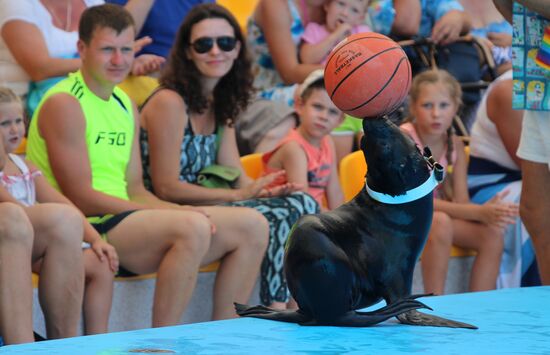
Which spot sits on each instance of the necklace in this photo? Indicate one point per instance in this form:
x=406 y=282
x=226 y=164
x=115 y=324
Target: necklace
x=68 y=19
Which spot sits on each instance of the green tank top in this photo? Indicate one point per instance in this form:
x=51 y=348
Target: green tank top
x=109 y=136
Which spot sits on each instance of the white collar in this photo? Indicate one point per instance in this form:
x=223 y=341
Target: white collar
x=410 y=195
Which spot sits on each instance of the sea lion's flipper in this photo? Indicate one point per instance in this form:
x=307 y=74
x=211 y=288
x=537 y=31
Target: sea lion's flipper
x=263 y=312
x=366 y=319
x=414 y=317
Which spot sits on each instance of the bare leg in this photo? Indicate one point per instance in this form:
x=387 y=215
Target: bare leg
x=535 y=212
x=58 y=241
x=488 y=242
x=240 y=241
x=435 y=257
x=16 y=238
x=170 y=242
x=98 y=294
x=274 y=135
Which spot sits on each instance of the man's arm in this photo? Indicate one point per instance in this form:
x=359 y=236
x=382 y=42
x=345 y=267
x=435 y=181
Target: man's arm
x=505 y=8
x=62 y=124
x=407 y=17
x=139 y=10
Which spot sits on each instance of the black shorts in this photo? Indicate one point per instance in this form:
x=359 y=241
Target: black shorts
x=105 y=225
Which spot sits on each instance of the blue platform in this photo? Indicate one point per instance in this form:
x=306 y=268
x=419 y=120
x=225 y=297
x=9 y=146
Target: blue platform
x=510 y=321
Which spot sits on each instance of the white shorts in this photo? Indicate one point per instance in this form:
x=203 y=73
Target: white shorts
x=534 y=144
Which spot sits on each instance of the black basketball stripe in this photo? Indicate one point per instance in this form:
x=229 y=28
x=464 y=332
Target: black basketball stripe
x=359 y=66
x=383 y=87
x=357 y=39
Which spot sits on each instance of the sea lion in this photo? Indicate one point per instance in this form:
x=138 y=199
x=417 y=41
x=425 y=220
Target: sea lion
x=365 y=250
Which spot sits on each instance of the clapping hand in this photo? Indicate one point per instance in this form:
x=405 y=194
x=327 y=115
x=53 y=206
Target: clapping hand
x=258 y=187
x=498 y=213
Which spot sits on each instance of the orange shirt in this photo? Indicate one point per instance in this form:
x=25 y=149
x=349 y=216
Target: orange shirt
x=319 y=163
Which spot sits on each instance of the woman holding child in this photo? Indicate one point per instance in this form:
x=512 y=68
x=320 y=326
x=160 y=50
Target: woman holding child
x=188 y=125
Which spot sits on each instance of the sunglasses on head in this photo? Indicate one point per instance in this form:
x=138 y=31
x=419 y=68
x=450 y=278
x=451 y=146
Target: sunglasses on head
x=205 y=44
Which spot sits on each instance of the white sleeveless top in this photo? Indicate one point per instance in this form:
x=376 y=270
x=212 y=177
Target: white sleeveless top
x=485 y=141
x=21 y=187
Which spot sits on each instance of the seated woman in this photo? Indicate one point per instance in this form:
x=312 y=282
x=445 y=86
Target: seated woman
x=273 y=42
x=188 y=125
x=495 y=167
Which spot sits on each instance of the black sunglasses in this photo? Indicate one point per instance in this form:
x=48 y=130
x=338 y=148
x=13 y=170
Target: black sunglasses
x=205 y=44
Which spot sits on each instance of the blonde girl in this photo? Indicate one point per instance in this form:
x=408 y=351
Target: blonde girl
x=55 y=214
x=434 y=102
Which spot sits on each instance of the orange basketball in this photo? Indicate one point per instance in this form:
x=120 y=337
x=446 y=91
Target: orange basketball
x=367 y=75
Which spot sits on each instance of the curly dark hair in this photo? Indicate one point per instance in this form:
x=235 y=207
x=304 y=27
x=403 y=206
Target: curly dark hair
x=232 y=93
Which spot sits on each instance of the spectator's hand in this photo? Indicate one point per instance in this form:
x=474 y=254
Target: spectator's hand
x=447 y=29
x=500 y=39
x=142 y=42
x=258 y=187
x=146 y=64
x=105 y=252
x=281 y=190
x=498 y=213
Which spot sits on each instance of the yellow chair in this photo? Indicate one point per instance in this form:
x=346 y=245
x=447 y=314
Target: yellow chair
x=139 y=88
x=353 y=169
x=22 y=149
x=241 y=9
x=253 y=165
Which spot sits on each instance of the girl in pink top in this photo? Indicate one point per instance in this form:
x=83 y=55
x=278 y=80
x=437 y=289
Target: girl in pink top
x=343 y=18
x=307 y=153
x=434 y=102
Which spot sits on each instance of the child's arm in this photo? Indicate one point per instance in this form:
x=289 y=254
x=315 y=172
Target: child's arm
x=46 y=193
x=335 y=196
x=315 y=51
x=293 y=160
x=460 y=173
x=494 y=212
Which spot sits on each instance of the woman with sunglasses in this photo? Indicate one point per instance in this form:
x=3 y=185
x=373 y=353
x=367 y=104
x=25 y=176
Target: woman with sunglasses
x=188 y=125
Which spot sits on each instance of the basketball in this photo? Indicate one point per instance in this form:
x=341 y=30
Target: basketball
x=367 y=75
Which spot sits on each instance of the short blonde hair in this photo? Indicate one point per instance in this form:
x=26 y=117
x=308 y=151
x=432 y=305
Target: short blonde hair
x=8 y=96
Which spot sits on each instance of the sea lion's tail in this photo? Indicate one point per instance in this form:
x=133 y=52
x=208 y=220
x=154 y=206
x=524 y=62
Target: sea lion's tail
x=414 y=317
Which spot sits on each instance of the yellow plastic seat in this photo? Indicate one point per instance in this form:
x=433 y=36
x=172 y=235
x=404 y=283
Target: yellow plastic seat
x=22 y=149
x=253 y=165
x=139 y=88
x=241 y=9
x=353 y=169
